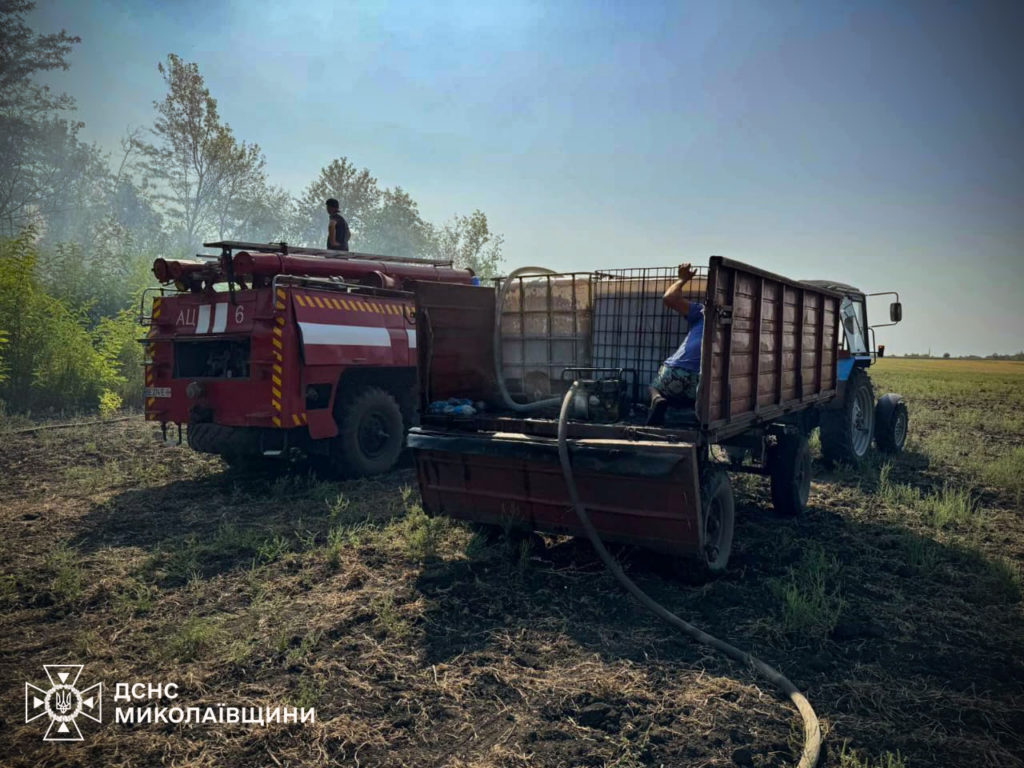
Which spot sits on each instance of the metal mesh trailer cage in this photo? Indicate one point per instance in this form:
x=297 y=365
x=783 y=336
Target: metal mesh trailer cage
x=608 y=319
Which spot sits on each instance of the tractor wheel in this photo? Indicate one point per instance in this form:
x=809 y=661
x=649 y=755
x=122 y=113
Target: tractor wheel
x=718 y=519
x=790 y=471
x=370 y=434
x=846 y=431
x=891 y=422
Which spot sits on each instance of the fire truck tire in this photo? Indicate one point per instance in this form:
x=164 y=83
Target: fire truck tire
x=206 y=437
x=250 y=464
x=407 y=405
x=790 y=470
x=847 y=431
x=370 y=434
x=718 y=520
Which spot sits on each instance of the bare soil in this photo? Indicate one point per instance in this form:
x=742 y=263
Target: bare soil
x=427 y=643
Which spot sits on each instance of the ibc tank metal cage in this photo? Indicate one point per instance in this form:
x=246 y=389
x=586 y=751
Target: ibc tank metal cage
x=607 y=319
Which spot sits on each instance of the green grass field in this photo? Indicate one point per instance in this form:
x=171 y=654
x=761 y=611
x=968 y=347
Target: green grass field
x=968 y=418
x=894 y=603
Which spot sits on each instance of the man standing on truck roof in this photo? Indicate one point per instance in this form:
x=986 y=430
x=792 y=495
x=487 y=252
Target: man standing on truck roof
x=337 y=228
x=676 y=382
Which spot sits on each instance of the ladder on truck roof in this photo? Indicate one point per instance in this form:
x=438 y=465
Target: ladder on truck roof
x=285 y=249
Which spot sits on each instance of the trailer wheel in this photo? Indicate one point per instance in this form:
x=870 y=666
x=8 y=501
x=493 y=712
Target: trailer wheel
x=847 y=431
x=718 y=519
x=891 y=422
x=790 y=470
x=736 y=455
x=370 y=434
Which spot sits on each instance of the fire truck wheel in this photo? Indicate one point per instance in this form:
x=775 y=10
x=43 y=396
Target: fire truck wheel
x=789 y=464
x=718 y=518
x=248 y=464
x=370 y=434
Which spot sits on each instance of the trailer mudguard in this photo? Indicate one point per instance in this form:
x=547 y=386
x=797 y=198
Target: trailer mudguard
x=637 y=492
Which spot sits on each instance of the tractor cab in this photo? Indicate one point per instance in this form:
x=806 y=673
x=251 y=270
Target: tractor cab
x=858 y=342
x=855 y=419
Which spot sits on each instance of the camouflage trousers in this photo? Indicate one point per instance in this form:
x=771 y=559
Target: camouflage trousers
x=676 y=385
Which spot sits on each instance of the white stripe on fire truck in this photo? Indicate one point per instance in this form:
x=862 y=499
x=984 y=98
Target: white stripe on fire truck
x=220 y=318
x=412 y=338
x=212 y=318
x=203 y=321
x=354 y=335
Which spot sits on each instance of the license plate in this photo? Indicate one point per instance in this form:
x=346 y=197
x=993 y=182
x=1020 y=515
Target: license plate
x=156 y=392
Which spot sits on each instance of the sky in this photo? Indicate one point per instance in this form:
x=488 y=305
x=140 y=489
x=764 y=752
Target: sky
x=879 y=144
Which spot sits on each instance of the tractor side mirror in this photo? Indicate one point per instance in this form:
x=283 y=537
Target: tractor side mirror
x=895 y=312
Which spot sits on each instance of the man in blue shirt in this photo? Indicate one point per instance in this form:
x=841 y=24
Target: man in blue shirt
x=676 y=382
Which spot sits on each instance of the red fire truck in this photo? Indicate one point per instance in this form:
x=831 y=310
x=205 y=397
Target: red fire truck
x=263 y=349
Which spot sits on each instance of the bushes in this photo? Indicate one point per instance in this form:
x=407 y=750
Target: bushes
x=52 y=357
x=116 y=341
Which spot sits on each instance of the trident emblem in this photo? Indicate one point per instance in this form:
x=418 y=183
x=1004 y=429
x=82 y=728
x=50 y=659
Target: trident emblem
x=63 y=702
x=63 y=699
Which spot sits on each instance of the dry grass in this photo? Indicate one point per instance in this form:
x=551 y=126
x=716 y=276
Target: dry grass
x=895 y=604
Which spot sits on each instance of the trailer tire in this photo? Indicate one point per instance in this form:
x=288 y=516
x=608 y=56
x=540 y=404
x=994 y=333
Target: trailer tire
x=736 y=455
x=370 y=434
x=790 y=471
x=891 y=422
x=718 y=520
x=847 y=431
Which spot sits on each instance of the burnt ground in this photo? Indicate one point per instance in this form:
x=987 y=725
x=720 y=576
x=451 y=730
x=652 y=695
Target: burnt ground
x=894 y=604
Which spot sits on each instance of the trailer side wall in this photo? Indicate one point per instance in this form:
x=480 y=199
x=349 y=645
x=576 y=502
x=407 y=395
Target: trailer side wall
x=770 y=347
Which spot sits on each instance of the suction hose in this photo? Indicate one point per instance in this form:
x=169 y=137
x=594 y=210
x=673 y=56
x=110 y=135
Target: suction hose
x=812 y=731
x=499 y=374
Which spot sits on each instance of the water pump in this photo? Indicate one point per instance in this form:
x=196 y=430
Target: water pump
x=599 y=394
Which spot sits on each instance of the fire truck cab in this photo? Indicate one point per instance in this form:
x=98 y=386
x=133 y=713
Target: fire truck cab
x=263 y=349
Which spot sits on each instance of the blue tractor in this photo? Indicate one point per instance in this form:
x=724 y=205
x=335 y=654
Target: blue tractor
x=854 y=418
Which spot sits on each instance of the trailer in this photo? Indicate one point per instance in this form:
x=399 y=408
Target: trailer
x=264 y=350
x=772 y=352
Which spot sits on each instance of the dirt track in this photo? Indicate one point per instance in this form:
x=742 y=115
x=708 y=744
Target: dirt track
x=422 y=643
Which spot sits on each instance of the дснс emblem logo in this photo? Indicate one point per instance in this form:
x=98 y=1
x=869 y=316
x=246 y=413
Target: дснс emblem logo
x=63 y=702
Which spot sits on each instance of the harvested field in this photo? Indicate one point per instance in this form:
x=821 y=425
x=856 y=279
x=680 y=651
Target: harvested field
x=894 y=604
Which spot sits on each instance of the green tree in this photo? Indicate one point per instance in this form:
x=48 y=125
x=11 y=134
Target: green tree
x=396 y=228
x=265 y=215
x=50 y=356
x=244 y=199
x=469 y=242
x=357 y=194
x=35 y=134
x=132 y=221
x=195 y=156
x=3 y=359
x=388 y=221
x=116 y=342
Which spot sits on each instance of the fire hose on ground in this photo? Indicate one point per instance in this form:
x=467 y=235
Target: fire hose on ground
x=812 y=731
x=66 y=425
